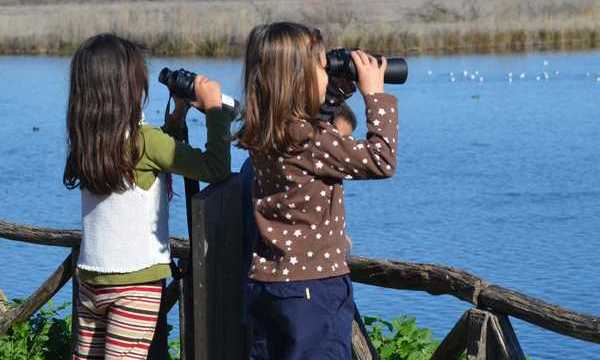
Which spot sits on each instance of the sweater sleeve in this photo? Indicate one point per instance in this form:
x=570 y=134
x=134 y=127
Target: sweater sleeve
x=343 y=157
x=211 y=165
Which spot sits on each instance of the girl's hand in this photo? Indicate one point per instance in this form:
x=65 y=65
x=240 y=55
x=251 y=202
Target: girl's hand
x=181 y=108
x=208 y=93
x=370 y=73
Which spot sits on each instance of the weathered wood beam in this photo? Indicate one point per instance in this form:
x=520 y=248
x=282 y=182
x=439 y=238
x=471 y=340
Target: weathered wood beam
x=41 y=296
x=441 y=280
x=434 y=279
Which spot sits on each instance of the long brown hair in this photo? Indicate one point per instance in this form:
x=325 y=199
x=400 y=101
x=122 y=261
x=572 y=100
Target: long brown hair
x=280 y=83
x=109 y=86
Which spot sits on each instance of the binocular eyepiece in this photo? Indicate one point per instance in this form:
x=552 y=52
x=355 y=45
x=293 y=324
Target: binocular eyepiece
x=340 y=64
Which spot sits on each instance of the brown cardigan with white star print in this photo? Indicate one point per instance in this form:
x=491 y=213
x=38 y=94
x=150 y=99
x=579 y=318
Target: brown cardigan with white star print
x=299 y=198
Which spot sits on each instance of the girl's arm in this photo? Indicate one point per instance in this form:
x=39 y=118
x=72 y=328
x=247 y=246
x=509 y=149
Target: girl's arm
x=340 y=157
x=212 y=165
x=346 y=158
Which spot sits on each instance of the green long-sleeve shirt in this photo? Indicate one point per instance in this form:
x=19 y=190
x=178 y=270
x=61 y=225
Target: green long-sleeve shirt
x=161 y=153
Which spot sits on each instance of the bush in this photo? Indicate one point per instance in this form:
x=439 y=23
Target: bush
x=46 y=336
x=400 y=339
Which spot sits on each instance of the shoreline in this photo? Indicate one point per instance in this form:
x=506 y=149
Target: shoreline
x=206 y=29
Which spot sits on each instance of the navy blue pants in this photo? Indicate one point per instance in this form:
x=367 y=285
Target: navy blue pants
x=289 y=322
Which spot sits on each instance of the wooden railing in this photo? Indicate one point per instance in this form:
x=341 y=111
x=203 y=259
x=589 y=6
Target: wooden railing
x=211 y=324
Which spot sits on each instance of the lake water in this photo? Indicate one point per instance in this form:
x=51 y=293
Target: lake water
x=499 y=178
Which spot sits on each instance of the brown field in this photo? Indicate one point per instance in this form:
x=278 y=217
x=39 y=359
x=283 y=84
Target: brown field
x=219 y=28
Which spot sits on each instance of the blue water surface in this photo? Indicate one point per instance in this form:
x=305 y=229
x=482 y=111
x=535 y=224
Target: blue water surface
x=497 y=177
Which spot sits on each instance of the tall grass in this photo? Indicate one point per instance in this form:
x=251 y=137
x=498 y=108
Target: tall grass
x=219 y=28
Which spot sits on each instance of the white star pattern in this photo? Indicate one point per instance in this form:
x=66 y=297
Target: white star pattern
x=309 y=254
x=288 y=216
x=297 y=233
x=323 y=193
x=306 y=198
x=285 y=272
x=376 y=122
x=318 y=208
x=293 y=260
x=335 y=143
x=326 y=255
x=319 y=164
x=319 y=268
x=262 y=260
x=288 y=243
x=269 y=229
x=313 y=227
x=318 y=236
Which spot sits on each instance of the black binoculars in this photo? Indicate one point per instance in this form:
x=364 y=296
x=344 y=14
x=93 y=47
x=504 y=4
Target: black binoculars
x=340 y=64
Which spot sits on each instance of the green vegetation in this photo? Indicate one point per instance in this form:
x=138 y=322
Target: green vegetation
x=219 y=28
x=400 y=339
x=47 y=336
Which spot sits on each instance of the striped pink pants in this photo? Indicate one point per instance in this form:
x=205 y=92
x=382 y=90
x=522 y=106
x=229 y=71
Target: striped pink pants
x=116 y=322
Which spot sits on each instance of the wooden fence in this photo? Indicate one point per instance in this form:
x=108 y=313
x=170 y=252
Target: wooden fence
x=211 y=324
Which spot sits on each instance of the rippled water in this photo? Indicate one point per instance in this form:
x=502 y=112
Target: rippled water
x=499 y=178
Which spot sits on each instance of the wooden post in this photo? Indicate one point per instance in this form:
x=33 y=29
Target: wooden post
x=217 y=260
x=484 y=334
x=360 y=346
x=74 y=296
x=455 y=342
x=3 y=302
x=194 y=290
x=477 y=334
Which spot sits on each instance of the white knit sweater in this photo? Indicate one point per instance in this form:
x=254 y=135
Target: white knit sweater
x=127 y=231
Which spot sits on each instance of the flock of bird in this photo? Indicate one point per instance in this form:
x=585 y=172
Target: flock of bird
x=477 y=76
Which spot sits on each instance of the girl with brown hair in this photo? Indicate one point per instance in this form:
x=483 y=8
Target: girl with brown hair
x=120 y=166
x=300 y=290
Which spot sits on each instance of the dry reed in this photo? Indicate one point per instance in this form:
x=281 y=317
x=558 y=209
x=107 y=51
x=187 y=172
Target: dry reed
x=219 y=28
